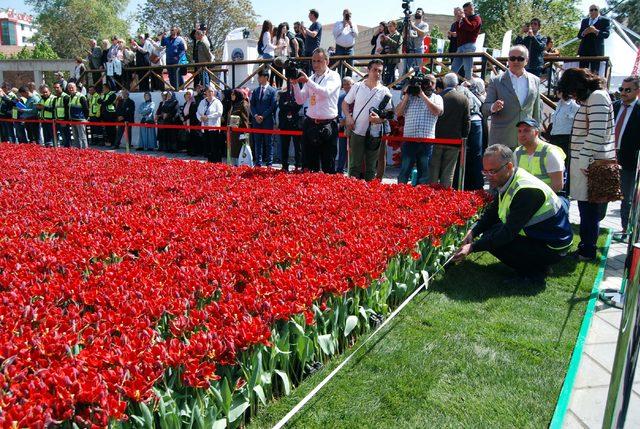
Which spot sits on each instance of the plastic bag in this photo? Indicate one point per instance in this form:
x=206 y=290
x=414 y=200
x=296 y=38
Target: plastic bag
x=245 y=157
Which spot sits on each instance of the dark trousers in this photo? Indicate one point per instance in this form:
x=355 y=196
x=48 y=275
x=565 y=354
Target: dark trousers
x=7 y=133
x=21 y=132
x=590 y=216
x=65 y=135
x=563 y=141
x=628 y=184
x=593 y=65
x=319 y=153
x=527 y=256
x=263 y=144
x=120 y=133
x=389 y=73
x=297 y=147
x=473 y=166
x=215 y=145
x=33 y=132
x=47 y=134
x=95 y=133
x=340 y=50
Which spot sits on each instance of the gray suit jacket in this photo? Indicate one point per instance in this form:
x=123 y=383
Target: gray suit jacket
x=503 y=123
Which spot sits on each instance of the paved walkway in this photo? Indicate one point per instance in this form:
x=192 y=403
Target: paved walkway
x=589 y=396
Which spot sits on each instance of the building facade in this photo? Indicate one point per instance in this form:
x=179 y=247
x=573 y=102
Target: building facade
x=16 y=29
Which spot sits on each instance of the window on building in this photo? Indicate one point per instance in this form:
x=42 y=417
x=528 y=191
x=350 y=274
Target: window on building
x=8 y=33
x=24 y=39
x=22 y=27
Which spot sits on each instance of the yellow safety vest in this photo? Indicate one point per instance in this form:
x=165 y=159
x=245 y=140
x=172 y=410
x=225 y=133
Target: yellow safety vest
x=75 y=108
x=48 y=103
x=537 y=163
x=111 y=108
x=94 y=106
x=14 y=112
x=59 y=104
x=524 y=180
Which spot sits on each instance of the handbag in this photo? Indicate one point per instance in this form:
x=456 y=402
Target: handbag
x=603 y=181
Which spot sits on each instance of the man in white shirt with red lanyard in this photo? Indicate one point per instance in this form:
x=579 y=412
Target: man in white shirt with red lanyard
x=320 y=129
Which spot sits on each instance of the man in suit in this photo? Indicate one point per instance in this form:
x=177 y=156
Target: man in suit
x=263 y=106
x=627 y=135
x=593 y=31
x=512 y=96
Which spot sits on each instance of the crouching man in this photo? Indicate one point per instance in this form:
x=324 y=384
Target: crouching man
x=526 y=226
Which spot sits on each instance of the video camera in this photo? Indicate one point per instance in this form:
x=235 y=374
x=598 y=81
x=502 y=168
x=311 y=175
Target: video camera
x=292 y=68
x=406 y=8
x=416 y=82
x=380 y=110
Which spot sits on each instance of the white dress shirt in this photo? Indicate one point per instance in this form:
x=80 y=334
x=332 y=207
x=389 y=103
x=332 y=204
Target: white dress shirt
x=520 y=85
x=562 y=117
x=627 y=115
x=345 y=35
x=212 y=110
x=365 y=98
x=322 y=92
x=268 y=47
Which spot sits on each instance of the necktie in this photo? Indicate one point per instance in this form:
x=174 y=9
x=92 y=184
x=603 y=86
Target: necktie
x=621 y=117
x=261 y=93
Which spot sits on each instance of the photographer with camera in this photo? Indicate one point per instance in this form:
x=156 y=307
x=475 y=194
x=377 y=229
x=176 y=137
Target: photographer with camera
x=289 y=120
x=391 y=44
x=320 y=128
x=417 y=30
x=345 y=32
x=421 y=107
x=370 y=98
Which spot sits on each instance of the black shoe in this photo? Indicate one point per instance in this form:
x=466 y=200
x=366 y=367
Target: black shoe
x=583 y=258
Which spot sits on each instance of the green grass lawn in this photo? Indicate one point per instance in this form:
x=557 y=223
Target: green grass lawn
x=470 y=352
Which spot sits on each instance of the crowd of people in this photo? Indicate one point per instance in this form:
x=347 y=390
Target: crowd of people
x=500 y=120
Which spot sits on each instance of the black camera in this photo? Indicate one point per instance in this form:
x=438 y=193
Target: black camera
x=406 y=8
x=416 y=82
x=292 y=68
x=380 y=110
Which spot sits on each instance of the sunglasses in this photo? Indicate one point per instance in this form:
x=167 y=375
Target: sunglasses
x=494 y=171
x=514 y=58
x=593 y=10
x=627 y=90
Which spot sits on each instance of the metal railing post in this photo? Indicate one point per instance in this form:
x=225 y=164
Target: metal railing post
x=126 y=136
x=463 y=161
x=626 y=358
x=55 y=134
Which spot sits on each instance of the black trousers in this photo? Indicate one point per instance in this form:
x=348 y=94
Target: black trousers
x=215 y=146
x=319 y=153
x=527 y=256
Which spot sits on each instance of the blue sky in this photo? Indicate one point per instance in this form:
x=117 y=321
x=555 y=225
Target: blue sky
x=364 y=12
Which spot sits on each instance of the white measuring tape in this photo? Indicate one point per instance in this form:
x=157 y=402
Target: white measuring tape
x=316 y=389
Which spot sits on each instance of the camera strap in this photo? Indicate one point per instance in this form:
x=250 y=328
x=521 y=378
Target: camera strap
x=375 y=91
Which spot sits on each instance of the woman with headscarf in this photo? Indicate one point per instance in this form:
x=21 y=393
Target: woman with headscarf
x=168 y=114
x=189 y=117
x=239 y=107
x=147 y=135
x=210 y=113
x=592 y=139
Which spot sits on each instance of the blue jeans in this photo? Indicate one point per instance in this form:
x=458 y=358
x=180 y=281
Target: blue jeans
x=205 y=78
x=415 y=153
x=65 y=134
x=467 y=62
x=627 y=183
x=473 y=176
x=342 y=155
x=47 y=134
x=589 y=228
x=345 y=71
x=263 y=144
x=413 y=63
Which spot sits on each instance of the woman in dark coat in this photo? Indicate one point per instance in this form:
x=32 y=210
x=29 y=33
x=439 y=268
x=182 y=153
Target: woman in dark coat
x=239 y=107
x=168 y=114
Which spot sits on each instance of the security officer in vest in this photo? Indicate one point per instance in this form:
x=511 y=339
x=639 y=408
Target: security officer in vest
x=47 y=112
x=108 y=114
x=79 y=113
x=542 y=159
x=526 y=226
x=61 y=104
x=94 y=132
x=7 y=103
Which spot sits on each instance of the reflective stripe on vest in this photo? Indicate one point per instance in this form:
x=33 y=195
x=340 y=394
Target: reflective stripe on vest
x=536 y=163
x=44 y=114
x=75 y=108
x=524 y=180
x=59 y=103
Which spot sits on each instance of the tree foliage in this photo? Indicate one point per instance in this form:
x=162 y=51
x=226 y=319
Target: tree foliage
x=68 y=25
x=625 y=11
x=559 y=18
x=220 y=17
x=41 y=51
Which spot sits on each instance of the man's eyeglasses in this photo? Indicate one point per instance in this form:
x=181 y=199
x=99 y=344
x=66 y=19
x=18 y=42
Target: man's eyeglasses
x=494 y=171
x=627 y=90
x=519 y=59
